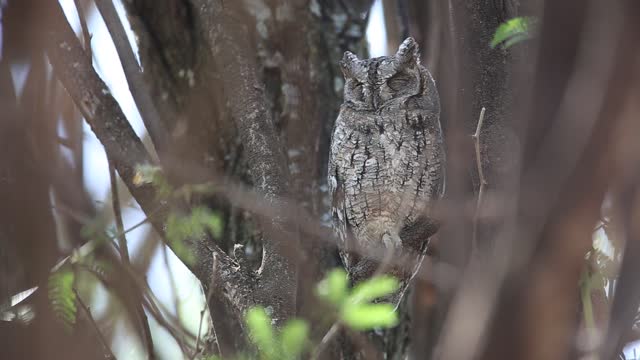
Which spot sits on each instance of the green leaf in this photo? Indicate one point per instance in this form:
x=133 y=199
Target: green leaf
x=179 y=228
x=515 y=39
x=373 y=288
x=261 y=332
x=513 y=31
x=294 y=338
x=369 y=316
x=150 y=174
x=61 y=296
x=214 y=223
x=334 y=287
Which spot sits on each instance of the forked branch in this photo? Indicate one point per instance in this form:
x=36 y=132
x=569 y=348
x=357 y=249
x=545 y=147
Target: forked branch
x=103 y=113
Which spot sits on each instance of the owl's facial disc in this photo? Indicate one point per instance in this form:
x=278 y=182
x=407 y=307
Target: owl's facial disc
x=398 y=79
x=379 y=83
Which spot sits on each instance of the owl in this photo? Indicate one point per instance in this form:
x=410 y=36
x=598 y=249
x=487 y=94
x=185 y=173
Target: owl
x=386 y=164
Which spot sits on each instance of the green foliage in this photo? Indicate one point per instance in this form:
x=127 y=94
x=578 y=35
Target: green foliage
x=62 y=297
x=188 y=191
x=181 y=227
x=370 y=316
x=196 y=224
x=334 y=287
x=600 y=269
x=261 y=332
x=372 y=289
x=513 y=31
x=96 y=231
x=293 y=338
x=354 y=307
x=271 y=344
x=149 y=174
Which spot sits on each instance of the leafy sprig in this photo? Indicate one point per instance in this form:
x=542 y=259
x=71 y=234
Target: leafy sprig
x=513 y=31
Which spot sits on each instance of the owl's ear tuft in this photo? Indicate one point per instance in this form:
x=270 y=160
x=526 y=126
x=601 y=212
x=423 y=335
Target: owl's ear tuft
x=408 y=51
x=348 y=63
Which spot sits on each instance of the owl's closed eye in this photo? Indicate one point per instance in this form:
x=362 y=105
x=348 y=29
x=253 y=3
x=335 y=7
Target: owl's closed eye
x=400 y=81
x=356 y=90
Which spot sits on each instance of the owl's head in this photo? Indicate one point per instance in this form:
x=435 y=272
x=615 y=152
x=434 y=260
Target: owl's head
x=377 y=83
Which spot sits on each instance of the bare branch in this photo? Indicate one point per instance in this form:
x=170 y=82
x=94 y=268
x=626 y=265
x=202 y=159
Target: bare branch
x=124 y=148
x=85 y=30
x=327 y=339
x=75 y=70
x=137 y=85
x=208 y=299
x=483 y=181
x=124 y=254
x=109 y=354
x=117 y=213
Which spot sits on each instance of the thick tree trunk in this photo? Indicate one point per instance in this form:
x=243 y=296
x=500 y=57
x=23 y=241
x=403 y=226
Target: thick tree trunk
x=293 y=48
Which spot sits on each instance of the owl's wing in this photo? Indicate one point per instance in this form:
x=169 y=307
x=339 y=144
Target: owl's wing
x=415 y=234
x=341 y=225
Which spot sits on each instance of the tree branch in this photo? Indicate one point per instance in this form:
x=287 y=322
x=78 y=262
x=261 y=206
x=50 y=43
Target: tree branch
x=124 y=255
x=75 y=70
x=137 y=86
x=103 y=341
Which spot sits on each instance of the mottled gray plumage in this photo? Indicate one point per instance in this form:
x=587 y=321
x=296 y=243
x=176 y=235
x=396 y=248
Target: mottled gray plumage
x=386 y=165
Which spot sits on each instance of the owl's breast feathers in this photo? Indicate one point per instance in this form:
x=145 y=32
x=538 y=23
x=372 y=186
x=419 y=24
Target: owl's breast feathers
x=384 y=169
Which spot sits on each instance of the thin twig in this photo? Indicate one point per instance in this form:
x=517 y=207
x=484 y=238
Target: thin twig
x=138 y=87
x=150 y=303
x=326 y=339
x=85 y=30
x=75 y=121
x=89 y=246
x=213 y=328
x=174 y=291
x=109 y=354
x=177 y=332
x=124 y=254
x=117 y=213
x=483 y=180
x=172 y=282
x=103 y=113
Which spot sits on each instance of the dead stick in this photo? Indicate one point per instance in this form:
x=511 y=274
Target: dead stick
x=109 y=354
x=483 y=181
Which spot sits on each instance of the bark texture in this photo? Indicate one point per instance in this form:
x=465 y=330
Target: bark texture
x=249 y=91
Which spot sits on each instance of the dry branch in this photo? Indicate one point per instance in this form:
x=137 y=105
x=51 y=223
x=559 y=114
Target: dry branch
x=483 y=180
x=75 y=70
x=137 y=86
x=103 y=341
x=568 y=167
